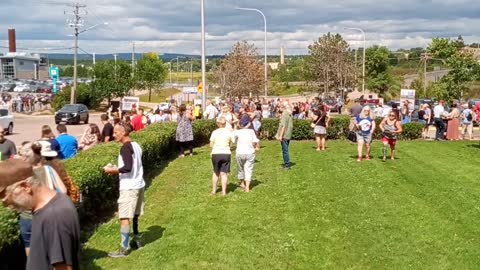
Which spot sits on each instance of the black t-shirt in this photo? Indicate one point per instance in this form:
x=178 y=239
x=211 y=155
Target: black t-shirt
x=55 y=237
x=321 y=119
x=107 y=131
x=421 y=115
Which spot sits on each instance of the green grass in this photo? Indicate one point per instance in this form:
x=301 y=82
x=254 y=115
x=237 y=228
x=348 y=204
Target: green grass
x=160 y=96
x=418 y=212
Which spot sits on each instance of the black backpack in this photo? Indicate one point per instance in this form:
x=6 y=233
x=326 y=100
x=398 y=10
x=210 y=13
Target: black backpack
x=469 y=117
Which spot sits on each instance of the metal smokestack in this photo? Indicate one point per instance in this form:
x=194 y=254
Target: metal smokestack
x=12 y=42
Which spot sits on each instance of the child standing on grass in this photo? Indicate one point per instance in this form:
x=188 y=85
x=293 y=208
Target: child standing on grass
x=245 y=153
x=220 y=142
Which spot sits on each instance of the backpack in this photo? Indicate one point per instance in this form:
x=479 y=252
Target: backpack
x=469 y=116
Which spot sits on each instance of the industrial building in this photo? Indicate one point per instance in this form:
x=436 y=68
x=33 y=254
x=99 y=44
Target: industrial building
x=14 y=65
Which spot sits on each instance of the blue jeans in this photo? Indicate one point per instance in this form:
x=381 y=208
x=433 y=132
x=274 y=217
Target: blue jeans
x=440 y=128
x=286 y=155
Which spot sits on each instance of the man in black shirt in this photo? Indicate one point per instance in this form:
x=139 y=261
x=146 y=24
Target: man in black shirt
x=55 y=238
x=107 y=132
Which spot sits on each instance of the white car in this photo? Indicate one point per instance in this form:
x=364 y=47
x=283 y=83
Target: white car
x=22 y=88
x=164 y=106
x=6 y=120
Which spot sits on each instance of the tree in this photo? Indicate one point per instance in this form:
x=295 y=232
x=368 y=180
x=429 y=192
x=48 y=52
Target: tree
x=150 y=73
x=463 y=68
x=240 y=73
x=379 y=77
x=330 y=63
x=111 y=80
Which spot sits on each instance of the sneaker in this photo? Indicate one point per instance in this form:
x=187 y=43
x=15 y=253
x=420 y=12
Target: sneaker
x=135 y=243
x=121 y=253
x=384 y=158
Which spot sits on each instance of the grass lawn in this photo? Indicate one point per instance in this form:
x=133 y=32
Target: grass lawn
x=418 y=212
x=160 y=96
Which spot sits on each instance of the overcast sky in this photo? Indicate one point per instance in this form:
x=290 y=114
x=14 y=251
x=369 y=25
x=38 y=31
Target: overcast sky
x=174 y=26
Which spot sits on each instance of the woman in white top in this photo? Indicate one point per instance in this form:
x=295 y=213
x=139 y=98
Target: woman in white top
x=230 y=118
x=245 y=153
x=220 y=142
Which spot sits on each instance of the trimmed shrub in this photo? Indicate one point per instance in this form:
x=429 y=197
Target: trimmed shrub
x=338 y=129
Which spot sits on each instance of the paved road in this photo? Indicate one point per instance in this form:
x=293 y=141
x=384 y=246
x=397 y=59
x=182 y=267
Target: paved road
x=29 y=128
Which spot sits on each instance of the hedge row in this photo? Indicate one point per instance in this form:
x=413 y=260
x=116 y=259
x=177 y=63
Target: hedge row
x=99 y=191
x=338 y=129
x=158 y=142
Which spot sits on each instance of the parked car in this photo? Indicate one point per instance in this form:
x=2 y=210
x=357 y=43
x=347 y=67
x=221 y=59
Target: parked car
x=6 y=120
x=164 y=106
x=22 y=88
x=72 y=114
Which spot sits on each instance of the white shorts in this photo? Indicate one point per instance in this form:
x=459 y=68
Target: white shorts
x=131 y=203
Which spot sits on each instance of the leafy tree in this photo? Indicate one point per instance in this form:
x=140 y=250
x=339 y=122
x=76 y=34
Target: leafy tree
x=379 y=77
x=150 y=73
x=463 y=68
x=241 y=72
x=330 y=63
x=82 y=71
x=111 y=80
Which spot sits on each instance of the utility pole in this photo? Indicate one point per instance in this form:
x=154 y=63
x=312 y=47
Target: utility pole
x=76 y=23
x=177 y=70
x=425 y=57
x=133 y=60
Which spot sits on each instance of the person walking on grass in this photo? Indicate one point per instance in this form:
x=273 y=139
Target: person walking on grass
x=220 y=142
x=284 y=133
x=365 y=126
x=245 y=153
x=184 y=133
x=390 y=127
x=132 y=188
x=320 y=129
x=467 y=117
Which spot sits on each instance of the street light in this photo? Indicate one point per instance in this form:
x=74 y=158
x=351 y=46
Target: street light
x=364 y=49
x=204 y=86
x=72 y=94
x=265 y=24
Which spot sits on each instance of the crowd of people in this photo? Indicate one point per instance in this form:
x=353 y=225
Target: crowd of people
x=35 y=183
x=26 y=103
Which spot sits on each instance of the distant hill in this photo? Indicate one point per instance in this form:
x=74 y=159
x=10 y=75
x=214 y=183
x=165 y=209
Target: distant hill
x=125 y=56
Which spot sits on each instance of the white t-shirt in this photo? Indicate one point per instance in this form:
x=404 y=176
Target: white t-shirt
x=438 y=111
x=211 y=112
x=221 y=139
x=245 y=139
x=131 y=153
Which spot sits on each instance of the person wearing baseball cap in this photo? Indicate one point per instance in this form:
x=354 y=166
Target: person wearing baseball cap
x=24 y=188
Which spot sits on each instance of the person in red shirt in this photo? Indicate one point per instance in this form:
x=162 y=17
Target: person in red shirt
x=137 y=120
x=477 y=111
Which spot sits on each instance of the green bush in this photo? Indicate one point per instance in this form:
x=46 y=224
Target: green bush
x=338 y=129
x=85 y=96
x=9 y=228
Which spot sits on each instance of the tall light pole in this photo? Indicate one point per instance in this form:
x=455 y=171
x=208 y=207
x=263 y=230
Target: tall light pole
x=204 y=86
x=265 y=45
x=364 y=49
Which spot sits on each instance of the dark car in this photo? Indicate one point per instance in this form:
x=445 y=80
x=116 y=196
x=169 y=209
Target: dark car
x=72 y=114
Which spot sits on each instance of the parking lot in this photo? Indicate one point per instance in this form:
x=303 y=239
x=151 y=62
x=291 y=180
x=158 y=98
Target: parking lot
x=28 y=128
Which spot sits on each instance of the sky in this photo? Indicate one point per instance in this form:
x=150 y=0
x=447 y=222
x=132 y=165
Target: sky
x=174 y=26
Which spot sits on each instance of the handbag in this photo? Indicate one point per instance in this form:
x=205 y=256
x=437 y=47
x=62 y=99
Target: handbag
x=352 y=136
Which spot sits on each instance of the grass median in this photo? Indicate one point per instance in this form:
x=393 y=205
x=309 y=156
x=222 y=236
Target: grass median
x=420 y=211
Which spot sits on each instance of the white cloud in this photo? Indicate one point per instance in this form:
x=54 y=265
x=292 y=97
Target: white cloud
x=173 y=26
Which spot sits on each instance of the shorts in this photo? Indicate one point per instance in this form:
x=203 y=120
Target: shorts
x=391 y=142
x=26 y=231
x=221 y=163
x=131 y=203
x=319 y=130
x=364 y=138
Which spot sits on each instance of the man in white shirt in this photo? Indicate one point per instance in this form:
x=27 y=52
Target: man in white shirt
x=210 y=112
x=437 y=118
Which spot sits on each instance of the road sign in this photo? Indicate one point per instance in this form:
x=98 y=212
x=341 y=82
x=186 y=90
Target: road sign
x=54 y=73
x=200 y=88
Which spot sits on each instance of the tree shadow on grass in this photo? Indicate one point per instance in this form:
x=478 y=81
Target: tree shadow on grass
x=152 y=234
